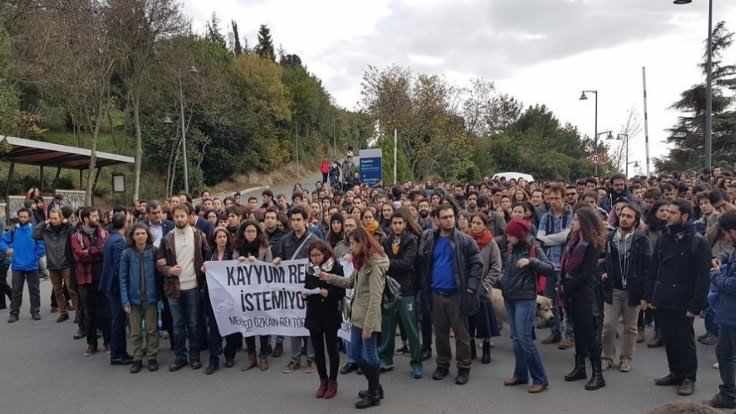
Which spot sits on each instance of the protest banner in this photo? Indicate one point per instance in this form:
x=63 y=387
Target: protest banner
x=344 y=332
x=258 y=298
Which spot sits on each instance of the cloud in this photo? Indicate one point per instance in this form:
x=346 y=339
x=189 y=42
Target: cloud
x=540 y=50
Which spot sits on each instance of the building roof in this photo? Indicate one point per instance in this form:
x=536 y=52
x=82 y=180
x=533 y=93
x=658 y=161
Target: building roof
x=32 y=152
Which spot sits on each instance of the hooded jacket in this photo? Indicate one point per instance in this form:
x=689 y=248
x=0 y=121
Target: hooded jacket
x=58 y=249
x=680 y=270
x=26 y=250
x=88 y=254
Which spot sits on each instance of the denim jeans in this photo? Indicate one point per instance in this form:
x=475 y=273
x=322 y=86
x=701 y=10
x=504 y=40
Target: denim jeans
x=185 y=316
x=348 y=353
x=528 y=361
x=364 y=351
x=726 y=354
x=301 y=346
x=710 y=324
x=214 y=340
x=118 y=347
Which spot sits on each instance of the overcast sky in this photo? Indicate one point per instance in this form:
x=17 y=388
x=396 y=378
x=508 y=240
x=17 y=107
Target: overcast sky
x=540 y=51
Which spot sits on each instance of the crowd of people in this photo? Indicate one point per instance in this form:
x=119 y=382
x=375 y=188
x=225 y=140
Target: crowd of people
x=628 y=255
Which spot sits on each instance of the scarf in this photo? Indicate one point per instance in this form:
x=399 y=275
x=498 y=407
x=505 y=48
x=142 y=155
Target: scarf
x=482 y=238
x=623 y=246
x=250 y=249
x=372 y=228
x=574 y=255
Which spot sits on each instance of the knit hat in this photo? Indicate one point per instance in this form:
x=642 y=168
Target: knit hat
x=519 y=229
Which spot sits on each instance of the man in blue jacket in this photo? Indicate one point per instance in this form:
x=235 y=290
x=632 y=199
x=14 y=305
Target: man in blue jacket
x=722 y=298
x=19 y=244
x=110 y=286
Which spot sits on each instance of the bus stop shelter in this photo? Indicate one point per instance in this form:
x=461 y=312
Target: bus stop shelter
x=45 y=154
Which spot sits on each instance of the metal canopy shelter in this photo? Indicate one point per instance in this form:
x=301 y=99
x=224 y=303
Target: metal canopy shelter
x=43 y=154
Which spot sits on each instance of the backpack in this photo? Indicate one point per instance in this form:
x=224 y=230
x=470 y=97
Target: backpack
x=540 y=278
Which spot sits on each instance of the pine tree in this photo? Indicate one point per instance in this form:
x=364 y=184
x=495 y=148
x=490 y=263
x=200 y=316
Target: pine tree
x=237 y=47
x=688 y=136
x=213 y=31
x=265 y=47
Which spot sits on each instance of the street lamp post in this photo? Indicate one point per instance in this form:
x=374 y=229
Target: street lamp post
x=583 y=97
x=708 y=87
x=192 y=70
x=625 y=138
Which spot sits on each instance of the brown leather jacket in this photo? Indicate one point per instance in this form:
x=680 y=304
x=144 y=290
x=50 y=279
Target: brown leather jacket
x=166 y=259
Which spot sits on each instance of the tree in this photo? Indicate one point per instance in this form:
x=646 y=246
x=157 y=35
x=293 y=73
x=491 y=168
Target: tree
x=8 y=94
x=487 y=112
x=136 y=27
x=688 y=135
x=70 y=50
x=265 y=48
x=213 y=31
x=237 y=46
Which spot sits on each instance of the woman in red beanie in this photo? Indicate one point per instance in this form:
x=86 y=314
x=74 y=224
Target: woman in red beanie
x=524 y=261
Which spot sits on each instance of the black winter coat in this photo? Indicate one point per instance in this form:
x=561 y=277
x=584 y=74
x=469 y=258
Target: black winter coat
x=58 y=248
x=637 y=282
x=520 y=283
x=582 y=284
x=468 y=266
x=403 y=264
x=680 y=270
x=324 y=314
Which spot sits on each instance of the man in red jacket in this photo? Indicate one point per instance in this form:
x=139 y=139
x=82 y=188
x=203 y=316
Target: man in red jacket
x=88 y=243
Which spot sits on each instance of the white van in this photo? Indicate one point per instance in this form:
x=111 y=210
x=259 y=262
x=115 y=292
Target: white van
x=515 y=176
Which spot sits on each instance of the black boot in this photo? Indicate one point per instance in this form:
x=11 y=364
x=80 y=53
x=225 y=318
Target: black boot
x=596 y=380
x=373 y=398
x=366 y=394
x=473 y=350
x=486 y=358
x=577 y=373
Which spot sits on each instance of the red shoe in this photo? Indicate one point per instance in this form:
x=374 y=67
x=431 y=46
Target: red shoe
x=322 y=389
x=331 y=390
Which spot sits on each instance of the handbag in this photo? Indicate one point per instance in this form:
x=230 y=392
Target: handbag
x=391 y=292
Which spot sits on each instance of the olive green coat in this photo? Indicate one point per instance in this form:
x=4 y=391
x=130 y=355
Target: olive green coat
x=368 y=284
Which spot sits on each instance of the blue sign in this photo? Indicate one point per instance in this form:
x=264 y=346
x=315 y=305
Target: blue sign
x=371 y=168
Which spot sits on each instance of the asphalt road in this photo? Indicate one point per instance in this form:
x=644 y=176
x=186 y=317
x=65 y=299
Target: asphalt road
x=44 y=371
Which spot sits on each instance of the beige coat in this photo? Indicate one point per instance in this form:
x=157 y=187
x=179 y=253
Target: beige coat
x=368 y=284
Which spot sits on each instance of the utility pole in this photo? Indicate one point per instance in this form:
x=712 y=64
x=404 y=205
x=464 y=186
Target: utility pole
x=709 y=93
x=396 y=157
x=296 y=147
x=646 y=118
x=183 y=136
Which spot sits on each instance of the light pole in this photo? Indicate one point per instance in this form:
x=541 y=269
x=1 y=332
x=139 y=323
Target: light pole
x=584 y=97
x=708 y=87
x=192 y=70
x=625 y=138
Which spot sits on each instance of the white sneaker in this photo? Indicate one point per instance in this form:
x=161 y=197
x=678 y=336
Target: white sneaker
x=715 y=366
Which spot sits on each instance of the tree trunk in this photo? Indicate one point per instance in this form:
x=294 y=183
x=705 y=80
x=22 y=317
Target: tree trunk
x=138 y=145
x=102 y=108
